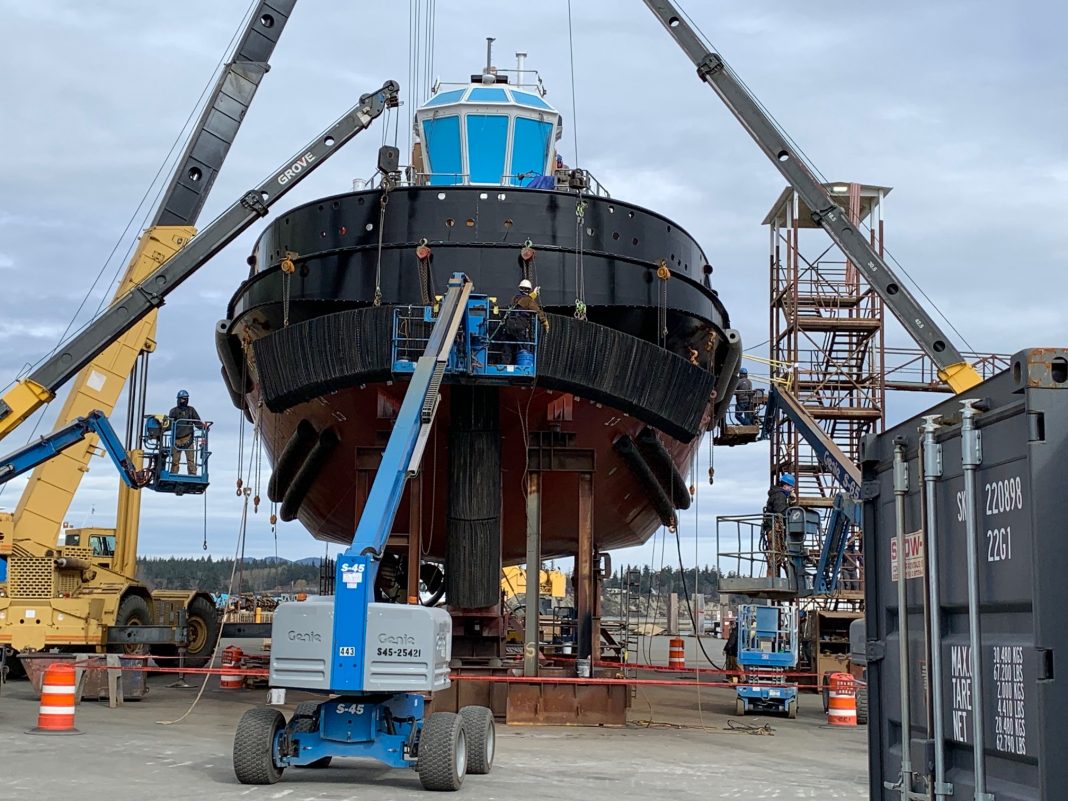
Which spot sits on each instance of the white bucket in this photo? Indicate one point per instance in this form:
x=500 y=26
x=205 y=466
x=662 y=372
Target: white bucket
x=582 y=668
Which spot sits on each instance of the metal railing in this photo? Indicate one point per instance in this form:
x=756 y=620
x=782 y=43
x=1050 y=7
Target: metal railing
x=911 y=369
x=503 y=341
x=757 y=547
x=749 y=547
x=169 y=444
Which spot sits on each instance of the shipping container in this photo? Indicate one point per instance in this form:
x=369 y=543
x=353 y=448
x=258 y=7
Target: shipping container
x=1017 y=508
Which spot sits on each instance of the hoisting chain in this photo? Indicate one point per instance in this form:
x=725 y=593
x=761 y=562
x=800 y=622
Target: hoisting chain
x=580 y=278
x=288 y=267
x=528 y=259
x=241 y=416
x=383 y=201
x=257 y=444
x=664 y=274
x=423 y=255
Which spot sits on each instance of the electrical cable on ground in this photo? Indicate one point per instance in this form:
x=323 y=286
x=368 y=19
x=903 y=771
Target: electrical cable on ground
x=689 y=606
x=239 y=548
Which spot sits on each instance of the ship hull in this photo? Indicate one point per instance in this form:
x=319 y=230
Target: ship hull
x=633 y=385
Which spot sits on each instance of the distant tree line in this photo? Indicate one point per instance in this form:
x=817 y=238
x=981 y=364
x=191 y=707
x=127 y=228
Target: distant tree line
x=213 y=575
x=645 y=580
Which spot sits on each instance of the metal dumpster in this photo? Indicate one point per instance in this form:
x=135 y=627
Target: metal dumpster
x=1001 y=489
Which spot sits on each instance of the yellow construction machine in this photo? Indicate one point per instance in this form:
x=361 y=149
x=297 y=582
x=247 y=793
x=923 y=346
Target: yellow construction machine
x=77 y=589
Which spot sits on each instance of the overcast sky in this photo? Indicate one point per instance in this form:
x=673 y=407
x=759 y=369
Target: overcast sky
x=959 y=106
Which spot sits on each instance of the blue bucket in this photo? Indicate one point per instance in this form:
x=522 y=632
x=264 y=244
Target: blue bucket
x=524 y=359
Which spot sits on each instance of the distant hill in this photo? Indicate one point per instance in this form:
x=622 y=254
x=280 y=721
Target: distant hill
x=313 y=561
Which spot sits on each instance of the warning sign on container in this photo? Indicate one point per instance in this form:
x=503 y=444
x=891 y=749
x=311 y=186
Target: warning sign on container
x=914 y=556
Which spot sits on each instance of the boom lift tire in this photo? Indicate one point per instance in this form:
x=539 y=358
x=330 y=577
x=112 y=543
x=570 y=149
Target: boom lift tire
x=254 y=746
x=442 y=752
x=739 y=707
x=306 y=719
x=133 y=611
x=481 y=738
x=791 y=709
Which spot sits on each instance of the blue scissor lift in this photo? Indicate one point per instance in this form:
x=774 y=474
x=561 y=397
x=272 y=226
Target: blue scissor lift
x=767 y=649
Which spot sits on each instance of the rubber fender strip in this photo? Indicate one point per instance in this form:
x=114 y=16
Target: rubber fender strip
x=236 y=399
x=663 y=467
x=626 y=448
x=289 y=461
x=309 y=471
x=233 y=361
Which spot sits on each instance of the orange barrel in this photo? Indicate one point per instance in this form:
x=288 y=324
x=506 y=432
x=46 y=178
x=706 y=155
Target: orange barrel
x=58 y=699
x=842 y=700
x=677 y=653
x=232 y=656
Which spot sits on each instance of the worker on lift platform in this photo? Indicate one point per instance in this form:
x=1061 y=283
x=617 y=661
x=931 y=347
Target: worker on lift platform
x=773 y=528
x=184 y=422
x=517 y=326
x=743 y=398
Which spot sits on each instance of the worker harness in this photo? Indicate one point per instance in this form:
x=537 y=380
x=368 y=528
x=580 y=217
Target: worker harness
x=580 y=278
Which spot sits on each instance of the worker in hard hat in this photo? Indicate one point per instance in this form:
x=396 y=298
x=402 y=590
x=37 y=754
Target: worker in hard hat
x=517 y=321
x=743 y=399
x=773 y=528
x=184 y=423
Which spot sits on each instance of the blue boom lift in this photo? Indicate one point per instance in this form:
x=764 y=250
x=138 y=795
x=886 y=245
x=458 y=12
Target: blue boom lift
x=800 y=522
x=158 y=448
x=377 y=660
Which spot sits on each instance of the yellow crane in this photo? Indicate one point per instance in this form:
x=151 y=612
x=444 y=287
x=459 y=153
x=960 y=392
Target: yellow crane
x=46 y=602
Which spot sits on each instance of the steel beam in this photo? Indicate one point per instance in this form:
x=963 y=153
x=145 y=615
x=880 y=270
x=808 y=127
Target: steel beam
x=532 y=636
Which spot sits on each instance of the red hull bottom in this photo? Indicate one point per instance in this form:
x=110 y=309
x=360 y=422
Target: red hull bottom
x=362 y=418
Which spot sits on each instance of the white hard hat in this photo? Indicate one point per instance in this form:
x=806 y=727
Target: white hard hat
x=525 y=284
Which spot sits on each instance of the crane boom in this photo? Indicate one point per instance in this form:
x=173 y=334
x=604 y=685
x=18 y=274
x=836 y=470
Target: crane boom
x=217 y=127
x=51 y=445
x=150 y=294
x=46 y=499
x=713 y=70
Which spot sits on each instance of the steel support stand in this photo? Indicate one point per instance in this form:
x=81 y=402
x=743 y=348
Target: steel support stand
x=183 y=625
x=532 y=635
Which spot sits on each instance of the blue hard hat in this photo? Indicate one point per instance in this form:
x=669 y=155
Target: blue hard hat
x=788 y=480
x=183 y=395
x=743 y=371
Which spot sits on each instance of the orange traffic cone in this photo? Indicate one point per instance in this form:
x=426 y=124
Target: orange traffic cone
x=677 y=653
x=232 y=656
x=842 y=700
x=58 y=699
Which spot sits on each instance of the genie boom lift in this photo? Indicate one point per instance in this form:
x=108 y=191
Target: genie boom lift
x=377 y=660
